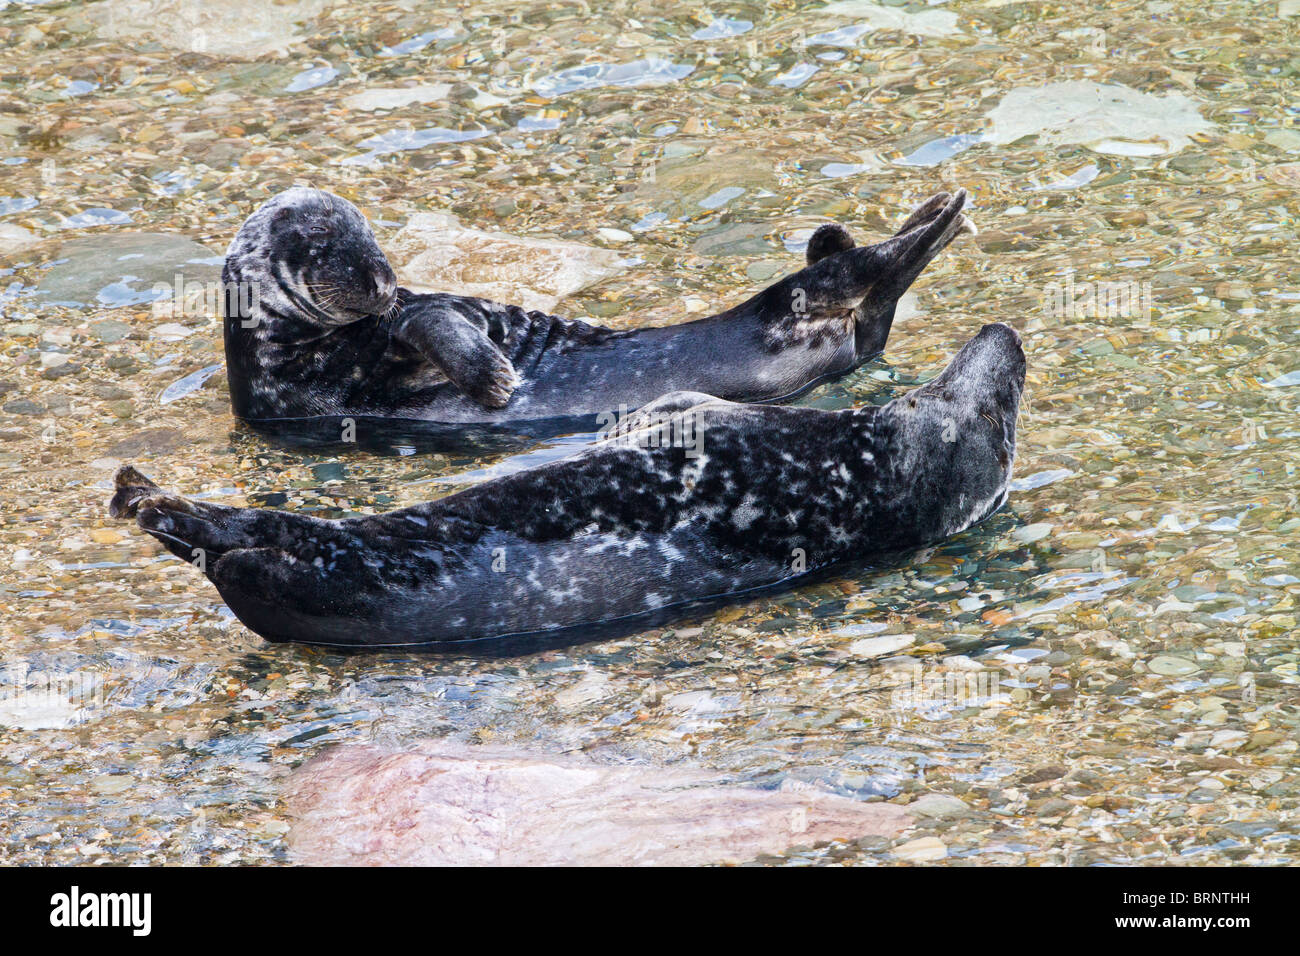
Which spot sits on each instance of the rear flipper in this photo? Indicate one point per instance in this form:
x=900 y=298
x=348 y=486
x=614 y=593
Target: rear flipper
x=132 y=488
x=197 y=531
x=289 y=577
x=929 y=230
x=867 y=281
x=831 y=237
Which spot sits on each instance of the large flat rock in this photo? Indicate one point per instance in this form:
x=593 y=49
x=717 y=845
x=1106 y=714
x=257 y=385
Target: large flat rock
x=433 y=252
x=442 y=803
x=233 y=29
x=1105 y=117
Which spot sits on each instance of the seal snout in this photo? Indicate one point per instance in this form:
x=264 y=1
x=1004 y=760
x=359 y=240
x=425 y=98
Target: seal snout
x=998 y=350
x=997 y=365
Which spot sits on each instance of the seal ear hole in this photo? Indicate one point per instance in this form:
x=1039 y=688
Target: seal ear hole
x=284 y=212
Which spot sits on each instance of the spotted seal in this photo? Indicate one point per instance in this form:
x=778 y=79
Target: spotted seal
x=629 y=526
x=316 y=325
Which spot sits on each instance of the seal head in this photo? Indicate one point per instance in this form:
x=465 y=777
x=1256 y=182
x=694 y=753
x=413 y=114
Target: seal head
x=314 y=254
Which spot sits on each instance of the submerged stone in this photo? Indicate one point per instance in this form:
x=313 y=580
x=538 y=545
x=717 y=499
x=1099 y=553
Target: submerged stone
x=238 y=29
x=445 y=804
x=125 y=269
x=435 y=253
x=1102 y=116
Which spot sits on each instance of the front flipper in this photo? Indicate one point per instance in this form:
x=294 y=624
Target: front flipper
x=461 y=350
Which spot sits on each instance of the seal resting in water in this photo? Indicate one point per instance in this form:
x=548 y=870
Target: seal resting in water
x=699 y=498
x=316 y=325
x=443 y=803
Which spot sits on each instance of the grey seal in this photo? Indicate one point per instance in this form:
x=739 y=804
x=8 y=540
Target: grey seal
x=647 y=520
x=316 y=325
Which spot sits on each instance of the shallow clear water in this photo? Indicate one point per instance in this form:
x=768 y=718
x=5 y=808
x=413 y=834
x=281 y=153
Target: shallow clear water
x=1105 y=672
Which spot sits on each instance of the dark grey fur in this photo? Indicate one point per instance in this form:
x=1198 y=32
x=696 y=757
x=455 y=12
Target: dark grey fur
x=332 y=335
x=622 y=528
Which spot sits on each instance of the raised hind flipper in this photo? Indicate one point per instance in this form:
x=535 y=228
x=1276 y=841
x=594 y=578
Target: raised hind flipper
x=831 y=237
x=864 y=282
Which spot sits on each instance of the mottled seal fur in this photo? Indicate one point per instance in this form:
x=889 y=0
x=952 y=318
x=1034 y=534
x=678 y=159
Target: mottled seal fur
x=316 y=326
x=628 y=526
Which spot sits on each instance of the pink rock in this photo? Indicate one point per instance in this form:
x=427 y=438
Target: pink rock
x=443 y=804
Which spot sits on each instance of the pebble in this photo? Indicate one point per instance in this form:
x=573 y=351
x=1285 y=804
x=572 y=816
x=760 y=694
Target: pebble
x=111 y=784
x=1228 y=739
x=922 y=850
x=885 y=644
x=390 y=99
x=110 y=330
x=939 y=806
x=1171 y=666
x=1032 y=532
x=1287 y=140
x=591 y=687
x=24 y=407
x=170 y=332
x=15 y=238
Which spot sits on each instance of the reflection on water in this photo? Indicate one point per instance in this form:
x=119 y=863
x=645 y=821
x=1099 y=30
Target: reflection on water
x=1106 y=671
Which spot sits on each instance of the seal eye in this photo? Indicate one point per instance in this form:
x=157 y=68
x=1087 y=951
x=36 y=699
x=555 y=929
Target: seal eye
x=319 y=230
